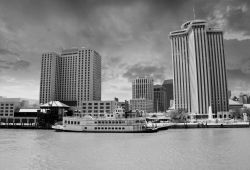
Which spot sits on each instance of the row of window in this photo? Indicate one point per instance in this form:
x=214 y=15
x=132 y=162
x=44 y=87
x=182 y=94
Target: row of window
x=107 y=107
x=7 y=107
x=110 y=122
x=6 y=110
x=1 y=114
x=95 y=104
x=7 y=104
x=109 y=128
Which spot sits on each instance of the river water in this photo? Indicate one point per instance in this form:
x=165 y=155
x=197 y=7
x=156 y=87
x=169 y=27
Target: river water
x=171 y=149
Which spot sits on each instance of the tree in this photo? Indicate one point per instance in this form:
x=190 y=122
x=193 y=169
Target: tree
x=247 y=111
x=237 y=113
x=179 y=115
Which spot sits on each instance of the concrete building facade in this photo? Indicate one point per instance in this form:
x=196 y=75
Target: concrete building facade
x=89 y=107
x=168 y=87
x=73 y=75
x=142 y=104
x=160 y=101
x=199 y=69
x=8 y=106
x=142 y=93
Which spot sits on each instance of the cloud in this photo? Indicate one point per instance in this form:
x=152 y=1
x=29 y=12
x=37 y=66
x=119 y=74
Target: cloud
x=231 y=16
x=140 y=70
x=238 y=81
x=14 y=65
x=130 y=35
x=7 y=52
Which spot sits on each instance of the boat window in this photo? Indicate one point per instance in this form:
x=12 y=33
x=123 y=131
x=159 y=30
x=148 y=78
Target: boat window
x=105 y=127
x=95 y=128
x=78 y=123
x=99 y=128
x=109 y=122
x=113 y=128
x=72 y=122
x=95 y=122
x=123 y=128
x=85 y=127
x=120 y=128
x=109 y=128
x=65 y=121
x=102 y=127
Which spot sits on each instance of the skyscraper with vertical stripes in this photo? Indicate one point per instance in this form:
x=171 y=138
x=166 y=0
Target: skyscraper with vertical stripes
x=199 y=69
x=72 y=76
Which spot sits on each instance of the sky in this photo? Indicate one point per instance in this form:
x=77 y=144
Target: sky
x=132 y=36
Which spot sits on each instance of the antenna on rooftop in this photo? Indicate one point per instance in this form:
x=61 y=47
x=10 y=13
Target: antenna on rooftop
x=194 y=12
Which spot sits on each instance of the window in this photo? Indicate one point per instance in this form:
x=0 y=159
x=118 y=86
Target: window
x=85 y=127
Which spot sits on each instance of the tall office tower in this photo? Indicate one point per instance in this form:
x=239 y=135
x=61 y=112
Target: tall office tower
x=199 y=68
x=168 y=86
x=49 y=78
x=142 y=94
x=159 y=98
x=142 y=87
x=71 y=77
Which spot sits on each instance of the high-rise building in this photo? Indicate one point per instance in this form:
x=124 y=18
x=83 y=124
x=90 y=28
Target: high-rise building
x=159 y=98
x=200 y=78
x=168 y=87
x=142 y=87
x=143 y=93
x=73 y=75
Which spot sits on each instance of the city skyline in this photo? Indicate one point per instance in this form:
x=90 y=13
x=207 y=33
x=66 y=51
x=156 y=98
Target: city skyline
x=131 y=36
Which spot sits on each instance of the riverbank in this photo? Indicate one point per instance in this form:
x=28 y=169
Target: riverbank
x=210 y=125
x=159 y=126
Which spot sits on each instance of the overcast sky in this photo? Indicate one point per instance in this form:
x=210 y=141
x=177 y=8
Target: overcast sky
x=130 y=35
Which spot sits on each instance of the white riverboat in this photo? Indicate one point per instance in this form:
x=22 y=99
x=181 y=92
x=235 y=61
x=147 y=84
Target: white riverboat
x=105 y=122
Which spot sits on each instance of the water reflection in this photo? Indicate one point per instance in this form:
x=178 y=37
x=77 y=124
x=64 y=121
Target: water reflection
x=171 y=149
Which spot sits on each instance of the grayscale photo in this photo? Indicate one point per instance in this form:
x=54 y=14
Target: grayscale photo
x=124 y=84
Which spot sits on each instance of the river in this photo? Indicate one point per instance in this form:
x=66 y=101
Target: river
x=171 y=149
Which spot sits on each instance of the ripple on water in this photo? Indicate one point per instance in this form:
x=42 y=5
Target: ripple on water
x=171 y=149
